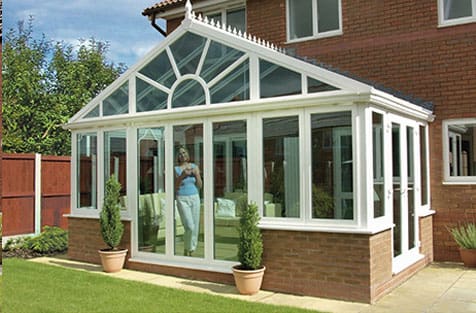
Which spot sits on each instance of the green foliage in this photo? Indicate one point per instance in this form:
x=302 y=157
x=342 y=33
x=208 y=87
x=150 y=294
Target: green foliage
x=44 y=85
x=465 y=235
x=52 y=239
x=322 y=203
x=250 y=245
x=110 y=217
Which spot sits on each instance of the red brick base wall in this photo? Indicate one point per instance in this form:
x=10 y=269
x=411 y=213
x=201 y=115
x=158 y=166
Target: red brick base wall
x=351 y=267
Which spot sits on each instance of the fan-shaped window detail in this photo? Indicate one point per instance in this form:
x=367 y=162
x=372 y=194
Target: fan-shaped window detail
x=117 y=102
x=314 y=85
x=188 y=93
x=219 y=57
x=149 y=98
x=187 y=51
x=93 y=113
x=160 y=70
x=233 y=87
x=277 y=81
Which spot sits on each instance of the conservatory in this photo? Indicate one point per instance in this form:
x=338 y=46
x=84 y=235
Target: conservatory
x=338 y=167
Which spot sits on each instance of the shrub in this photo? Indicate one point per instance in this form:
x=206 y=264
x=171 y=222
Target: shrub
x=110 y=217
x=250 y=244
x=465 y=235
x=52 y=239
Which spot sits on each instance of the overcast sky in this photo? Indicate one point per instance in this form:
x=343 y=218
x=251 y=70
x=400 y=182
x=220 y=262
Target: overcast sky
x=118 y=22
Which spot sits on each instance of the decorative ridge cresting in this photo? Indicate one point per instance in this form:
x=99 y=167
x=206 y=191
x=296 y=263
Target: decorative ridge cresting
x=189 y=14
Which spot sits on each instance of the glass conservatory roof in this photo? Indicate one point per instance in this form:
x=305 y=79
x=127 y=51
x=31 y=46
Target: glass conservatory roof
x=203 y=64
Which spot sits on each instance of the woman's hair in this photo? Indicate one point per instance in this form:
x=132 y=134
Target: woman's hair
x=183 y=148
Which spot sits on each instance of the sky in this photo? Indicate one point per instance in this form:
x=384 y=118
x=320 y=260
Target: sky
x=118 y=22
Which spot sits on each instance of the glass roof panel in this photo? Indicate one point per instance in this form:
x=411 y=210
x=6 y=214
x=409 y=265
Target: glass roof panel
x=93 y=113
x=187 y=51
x=314 y=85
x=218 y=58
x=188 y=93
x=149 y=98
x=117 y=102
x=233 y=87
x=277 y=81
x=160 y=70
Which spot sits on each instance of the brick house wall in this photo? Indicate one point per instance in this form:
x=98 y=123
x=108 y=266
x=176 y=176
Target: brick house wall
x=398 y=44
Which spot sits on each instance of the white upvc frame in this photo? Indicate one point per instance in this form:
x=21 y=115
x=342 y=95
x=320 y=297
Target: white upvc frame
x=315 y=31
x=447 y=178
x=223 y=13
x=456 y=21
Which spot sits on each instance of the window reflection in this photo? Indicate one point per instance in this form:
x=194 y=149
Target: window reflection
x=115 y=160
x=87 y=170
x=462 y=149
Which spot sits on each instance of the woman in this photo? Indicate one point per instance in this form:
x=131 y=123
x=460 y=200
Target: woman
x=187 y=184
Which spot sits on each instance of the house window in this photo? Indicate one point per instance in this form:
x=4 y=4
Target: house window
x=236 y=18
x=332 y=166
x=378 y=165
x=459 y=150
x=281 y=167
x=87 y=170
x=313 y=18
x=454 y=12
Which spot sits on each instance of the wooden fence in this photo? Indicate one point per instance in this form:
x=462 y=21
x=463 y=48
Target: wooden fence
x=35 y=192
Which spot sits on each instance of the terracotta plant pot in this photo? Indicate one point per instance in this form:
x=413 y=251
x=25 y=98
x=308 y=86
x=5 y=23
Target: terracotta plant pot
x=468 y=256
x=248 y=282
x=112 y=261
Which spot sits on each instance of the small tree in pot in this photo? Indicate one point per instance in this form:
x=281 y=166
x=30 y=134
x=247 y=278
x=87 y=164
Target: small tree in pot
x=112 y=228
x=249 y=273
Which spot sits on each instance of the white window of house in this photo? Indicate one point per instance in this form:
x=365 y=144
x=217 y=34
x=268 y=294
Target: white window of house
x=459 y=151
x=453 y=12
x=86 y=170
x=234 y=17
x=307 y=19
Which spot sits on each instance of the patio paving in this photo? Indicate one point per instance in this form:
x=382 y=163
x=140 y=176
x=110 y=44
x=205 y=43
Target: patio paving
x=439 y=288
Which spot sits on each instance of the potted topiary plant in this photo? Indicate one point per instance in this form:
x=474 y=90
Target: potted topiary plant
x=112 y=228
x=465 y=237
x=249 y=273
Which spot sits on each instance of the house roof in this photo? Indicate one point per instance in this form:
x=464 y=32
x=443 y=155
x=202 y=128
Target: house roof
x=163 y=6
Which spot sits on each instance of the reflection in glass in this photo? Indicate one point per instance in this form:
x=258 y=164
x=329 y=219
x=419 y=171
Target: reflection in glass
x=236 y=19
x=117 y=102
x=160 y=70
x=93 y=113
x=397 y=188
x=332 y=166
x=300 y=18
x=423 y=167
x=281 y=166
x=457 y=8
x=218 y=58
x=378 y=164
x=188 y=181
x=152 y=197
x=187 y=51
x=314 y=85
x=233 y=87
x=411 y=188
x=188 y=93
x=230 y=183
x=328 y=15
x=149 y=98
x=87 y=170
x=462 y=149
x=115 y=160
x=277 y=81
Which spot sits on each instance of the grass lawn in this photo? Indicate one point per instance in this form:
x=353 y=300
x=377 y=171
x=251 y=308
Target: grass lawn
x=33 y=287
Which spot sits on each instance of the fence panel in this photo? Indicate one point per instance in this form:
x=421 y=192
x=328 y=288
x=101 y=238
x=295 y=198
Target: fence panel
x=18 y=193
x=18 y=189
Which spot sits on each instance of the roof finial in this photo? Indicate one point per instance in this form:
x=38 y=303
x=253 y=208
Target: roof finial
x=188 y=10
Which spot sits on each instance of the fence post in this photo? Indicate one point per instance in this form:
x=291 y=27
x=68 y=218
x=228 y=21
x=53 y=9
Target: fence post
x=37 y=193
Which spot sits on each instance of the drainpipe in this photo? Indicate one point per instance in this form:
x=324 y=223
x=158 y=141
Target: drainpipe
x=157 y=26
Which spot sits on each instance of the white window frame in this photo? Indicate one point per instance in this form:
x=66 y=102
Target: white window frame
x=223 y=12
x=315 y=31
x=447 y=178
x=456 y=21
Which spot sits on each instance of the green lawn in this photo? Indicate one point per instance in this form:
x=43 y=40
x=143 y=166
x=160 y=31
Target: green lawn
x=33 y=287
